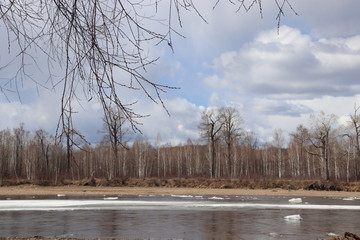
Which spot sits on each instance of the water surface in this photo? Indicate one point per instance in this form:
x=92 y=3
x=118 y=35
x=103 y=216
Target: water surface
x=178 y=217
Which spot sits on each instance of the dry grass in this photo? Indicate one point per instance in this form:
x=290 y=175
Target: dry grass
x=287 y=184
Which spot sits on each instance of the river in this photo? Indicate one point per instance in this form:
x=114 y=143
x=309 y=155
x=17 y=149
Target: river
x=178 y=217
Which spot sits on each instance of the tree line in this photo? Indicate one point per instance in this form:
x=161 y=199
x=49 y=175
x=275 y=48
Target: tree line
x=323 y=150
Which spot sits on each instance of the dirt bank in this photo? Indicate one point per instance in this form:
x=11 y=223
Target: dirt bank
x=193 y=186
x=88 y=190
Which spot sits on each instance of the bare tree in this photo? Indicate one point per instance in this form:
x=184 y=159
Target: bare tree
x=320 y=136
x=279 y=144
x=231 y=132
x=210 y=128
x=114 y=123
x=20 y=137
x=249 y=144
x=355 y=122
x=299 y=142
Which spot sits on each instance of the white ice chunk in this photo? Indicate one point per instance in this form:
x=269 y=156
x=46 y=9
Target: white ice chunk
x=182 y=196
x=274 y=235
x=61 y=195
x=295 y=217
x=332 y=234
x=111 y=198
x=295 y=200
x=216 y=198
x=349 y=199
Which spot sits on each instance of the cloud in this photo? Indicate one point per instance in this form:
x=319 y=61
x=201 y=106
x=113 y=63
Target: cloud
x=175 y=128
x=280 y=108
x=41 y=114
x=290 y=65
x=329 y=18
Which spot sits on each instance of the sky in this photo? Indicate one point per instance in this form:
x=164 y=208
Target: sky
x=276 y=77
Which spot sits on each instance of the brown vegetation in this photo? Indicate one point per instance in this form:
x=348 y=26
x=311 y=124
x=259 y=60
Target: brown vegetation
x=204 y=183
x=347 y=236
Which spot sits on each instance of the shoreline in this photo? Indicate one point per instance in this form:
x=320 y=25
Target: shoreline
x=71 y=190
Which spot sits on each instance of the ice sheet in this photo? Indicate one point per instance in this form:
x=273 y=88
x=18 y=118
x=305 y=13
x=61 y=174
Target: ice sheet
x=68 y=205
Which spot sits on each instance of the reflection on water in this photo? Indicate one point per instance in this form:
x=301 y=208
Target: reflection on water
x=192 y=223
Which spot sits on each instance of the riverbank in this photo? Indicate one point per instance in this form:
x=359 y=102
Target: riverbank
x=182 y=186
x=72 y=190
x=200 y=183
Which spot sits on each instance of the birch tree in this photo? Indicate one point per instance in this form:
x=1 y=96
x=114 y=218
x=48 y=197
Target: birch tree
x=231 y=132
x=355 y=123
x=320 y=137
x=279 y=144
x=210 y=128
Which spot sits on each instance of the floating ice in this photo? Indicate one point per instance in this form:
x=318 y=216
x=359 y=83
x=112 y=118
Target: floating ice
x=216 y=198
x=349 y=199
x=274 y=235
x=183 y=196
x=111 y=198
x=61 y=195
x=295 y=200
x=332 y=234
x=295 y=217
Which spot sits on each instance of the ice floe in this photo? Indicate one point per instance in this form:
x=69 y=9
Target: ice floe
x=295 y=217
x=349 y=199
x=274 y=235
x=216 y=198
x=295 y=200
x=111 y=203
x=183 y=196
x=111 y=198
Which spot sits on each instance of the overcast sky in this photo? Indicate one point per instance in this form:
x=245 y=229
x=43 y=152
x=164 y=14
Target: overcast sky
x=275 y=77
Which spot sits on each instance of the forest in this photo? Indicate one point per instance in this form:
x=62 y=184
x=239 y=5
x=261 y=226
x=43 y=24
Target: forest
x=84 y=39
x=324 y=150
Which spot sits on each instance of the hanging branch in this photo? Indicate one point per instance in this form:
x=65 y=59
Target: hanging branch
x=100 y=47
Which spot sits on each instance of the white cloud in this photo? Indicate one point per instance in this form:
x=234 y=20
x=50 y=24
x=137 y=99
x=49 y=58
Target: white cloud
x=279 y=79
x=290 y=65
x=176 y=128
